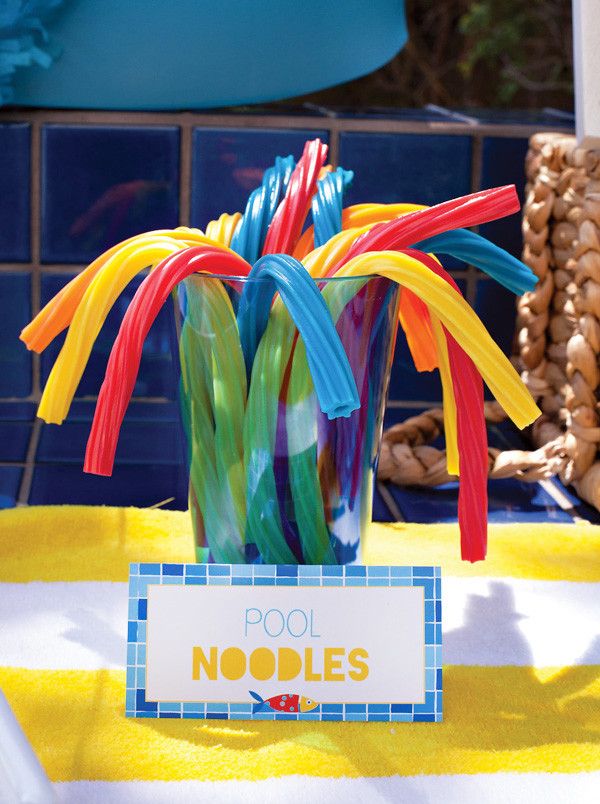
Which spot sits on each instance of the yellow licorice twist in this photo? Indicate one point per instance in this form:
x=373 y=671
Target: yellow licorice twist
x=105 y=285
x=222 y=230
x=460 y=320
x=321 y=260
x=59 y=311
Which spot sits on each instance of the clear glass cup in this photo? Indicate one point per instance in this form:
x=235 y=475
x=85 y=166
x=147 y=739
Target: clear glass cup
x=272 y=479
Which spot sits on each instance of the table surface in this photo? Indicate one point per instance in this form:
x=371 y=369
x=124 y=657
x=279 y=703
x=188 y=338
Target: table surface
x=521 y=673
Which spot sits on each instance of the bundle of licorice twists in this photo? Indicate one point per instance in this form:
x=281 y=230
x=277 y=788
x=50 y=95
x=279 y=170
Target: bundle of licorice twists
x=271 y=301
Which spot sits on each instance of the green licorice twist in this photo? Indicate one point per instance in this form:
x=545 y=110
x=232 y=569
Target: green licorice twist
x=232 y=442
x=216 y=380
x=304 y=479
x=263 y=525
x=301 y=409
x=199 y=427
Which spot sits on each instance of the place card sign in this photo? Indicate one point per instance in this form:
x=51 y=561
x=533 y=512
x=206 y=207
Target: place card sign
x=266 y=642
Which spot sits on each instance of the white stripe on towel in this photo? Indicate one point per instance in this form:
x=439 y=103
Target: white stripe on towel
x=483 y=788
x=487 y=621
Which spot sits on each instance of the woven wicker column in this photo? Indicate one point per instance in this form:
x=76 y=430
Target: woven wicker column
x=558 y=327
x=559 y=322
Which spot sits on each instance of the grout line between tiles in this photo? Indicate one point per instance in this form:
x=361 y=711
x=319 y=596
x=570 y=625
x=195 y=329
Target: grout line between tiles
x=35 y=244
x=185 y=173
x=27 y=479
x=35 y=250
x=334 y=145
x=155 y=400
x=270 y=119
x=408 y=403
x=472 y=276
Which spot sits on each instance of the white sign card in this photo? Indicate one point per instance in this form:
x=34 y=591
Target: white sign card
x=268 y=642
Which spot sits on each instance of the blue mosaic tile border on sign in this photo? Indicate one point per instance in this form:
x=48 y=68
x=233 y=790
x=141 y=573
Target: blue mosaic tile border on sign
x=143 y=575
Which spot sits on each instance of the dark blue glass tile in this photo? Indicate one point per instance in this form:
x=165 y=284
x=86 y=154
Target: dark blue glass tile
x=159 y=372
x=10 y=480
x=103 y=184
x=505 y=435
x=83 y=410
x=509 y=501
x=408 y=384
x=391 y=168
x=59 y=484
x=396 y=415
x=504 y=163
x=14 y=198
x=497 y=308
x=228 y=164
x=15 y=312
x=17 y=411
x=14 y=440
x=140 y=442
x=381 y=513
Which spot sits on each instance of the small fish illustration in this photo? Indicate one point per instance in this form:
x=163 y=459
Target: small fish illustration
x=283 y=703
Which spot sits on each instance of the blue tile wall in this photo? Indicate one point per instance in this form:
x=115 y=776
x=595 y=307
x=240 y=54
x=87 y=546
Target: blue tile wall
x=103 y=184
x=503 y=162
x=10 y=480
x=151 y=437
x=146 y=485
x=228 y=164
x=14 y=440
x=14 y=198
x=497 y=308
x=508 y=501
x=15 y=310
x=424 y=169
x=158 y=375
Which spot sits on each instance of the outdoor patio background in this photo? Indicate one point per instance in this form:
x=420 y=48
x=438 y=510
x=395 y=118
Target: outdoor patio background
x=75 y=183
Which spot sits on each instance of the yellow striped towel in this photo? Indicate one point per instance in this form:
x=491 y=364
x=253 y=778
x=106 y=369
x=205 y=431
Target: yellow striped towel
x=521 y=674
